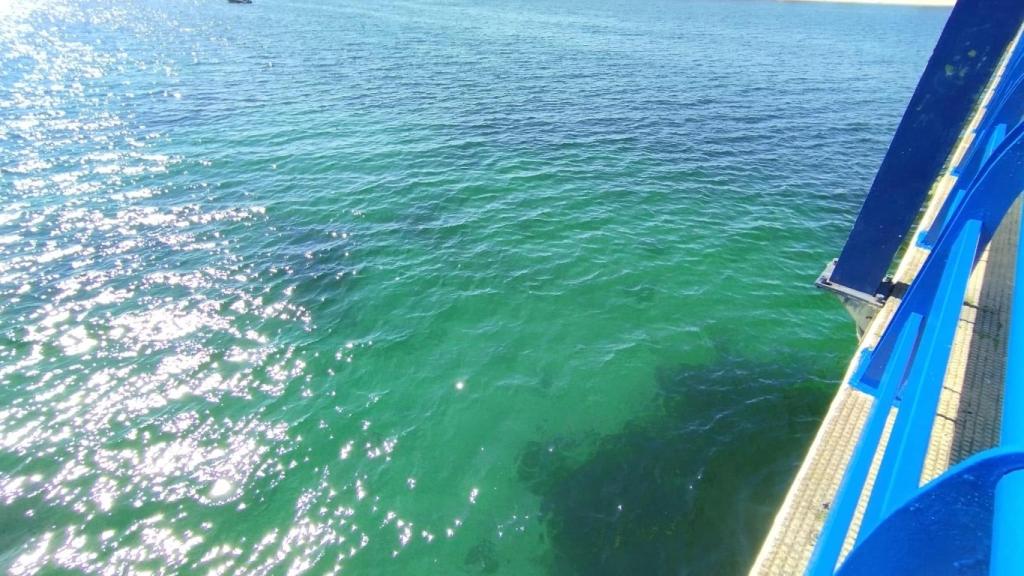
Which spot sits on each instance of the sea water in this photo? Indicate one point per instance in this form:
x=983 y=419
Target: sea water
x=424 y=287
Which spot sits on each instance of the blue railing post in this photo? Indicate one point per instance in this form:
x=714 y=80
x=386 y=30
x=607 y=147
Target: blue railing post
x=1008 y=521
x=844 y=505
x=987 y=200
x=1003 y=111
x=899 y=476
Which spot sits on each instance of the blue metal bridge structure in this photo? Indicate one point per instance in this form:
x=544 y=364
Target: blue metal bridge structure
x=970 y=520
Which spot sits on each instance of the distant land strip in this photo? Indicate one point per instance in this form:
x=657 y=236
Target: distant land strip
x=934 y=3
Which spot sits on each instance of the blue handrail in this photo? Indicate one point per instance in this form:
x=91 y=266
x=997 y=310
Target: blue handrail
x=1004 y=110
x=899 y=476
x=908 y=366
x=833 y=534
x=1008 y=528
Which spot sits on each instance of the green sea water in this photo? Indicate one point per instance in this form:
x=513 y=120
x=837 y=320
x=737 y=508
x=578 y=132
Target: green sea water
x=424 y=287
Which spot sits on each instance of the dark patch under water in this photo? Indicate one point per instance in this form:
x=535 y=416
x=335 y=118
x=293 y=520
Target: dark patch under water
x=690 y=490
x=483 y=557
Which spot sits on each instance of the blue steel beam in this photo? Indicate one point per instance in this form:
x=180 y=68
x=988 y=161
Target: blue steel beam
x=969 y=49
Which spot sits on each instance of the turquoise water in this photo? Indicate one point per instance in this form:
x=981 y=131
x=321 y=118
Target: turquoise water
x=410 y=287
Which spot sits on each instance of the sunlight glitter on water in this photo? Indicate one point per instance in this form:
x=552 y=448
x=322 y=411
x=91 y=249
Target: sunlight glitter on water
x=87 y=351
x=393 y=287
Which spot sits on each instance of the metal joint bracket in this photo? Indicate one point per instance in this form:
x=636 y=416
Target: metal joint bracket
x=861 y=306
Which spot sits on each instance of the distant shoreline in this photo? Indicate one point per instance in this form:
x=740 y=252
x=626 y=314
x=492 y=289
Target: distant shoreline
x=930 y=3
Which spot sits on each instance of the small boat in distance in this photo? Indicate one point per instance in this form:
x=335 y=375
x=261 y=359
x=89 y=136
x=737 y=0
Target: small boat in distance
x=239 y=1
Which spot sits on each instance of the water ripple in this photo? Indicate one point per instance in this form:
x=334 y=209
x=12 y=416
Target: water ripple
x=336 y=287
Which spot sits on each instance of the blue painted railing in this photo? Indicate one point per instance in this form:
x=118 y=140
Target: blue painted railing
x=1008 y=528
x=971 y=519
